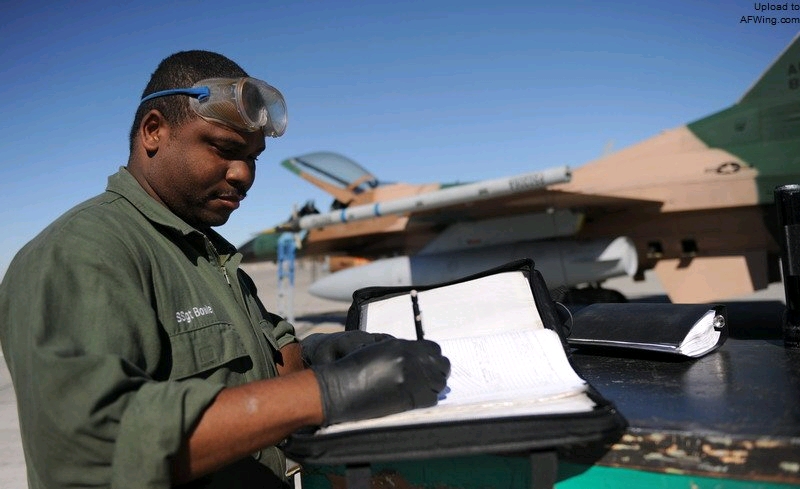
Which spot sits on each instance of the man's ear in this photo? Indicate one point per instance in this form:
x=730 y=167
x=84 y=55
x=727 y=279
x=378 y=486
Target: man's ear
x=152 y=130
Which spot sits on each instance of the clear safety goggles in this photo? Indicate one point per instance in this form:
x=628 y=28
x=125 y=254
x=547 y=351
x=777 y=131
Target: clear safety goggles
x=245 y=103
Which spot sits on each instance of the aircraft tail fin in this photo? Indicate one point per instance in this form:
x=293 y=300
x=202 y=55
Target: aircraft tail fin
x=781 y=80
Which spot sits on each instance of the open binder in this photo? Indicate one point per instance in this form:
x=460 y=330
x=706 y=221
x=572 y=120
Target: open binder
x=512 y=386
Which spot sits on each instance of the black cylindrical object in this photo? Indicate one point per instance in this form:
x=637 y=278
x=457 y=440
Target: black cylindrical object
x=787 y=202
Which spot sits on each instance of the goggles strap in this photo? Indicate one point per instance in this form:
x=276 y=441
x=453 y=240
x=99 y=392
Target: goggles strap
x=200 y=93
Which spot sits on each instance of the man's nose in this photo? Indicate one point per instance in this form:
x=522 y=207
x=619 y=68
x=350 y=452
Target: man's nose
x=241 y=174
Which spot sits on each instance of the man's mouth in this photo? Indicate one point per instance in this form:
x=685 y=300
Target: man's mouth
x=230 y=200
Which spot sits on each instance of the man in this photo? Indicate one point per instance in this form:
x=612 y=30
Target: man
x=139 y=351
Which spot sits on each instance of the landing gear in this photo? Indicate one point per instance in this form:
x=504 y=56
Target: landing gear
x=590 y=294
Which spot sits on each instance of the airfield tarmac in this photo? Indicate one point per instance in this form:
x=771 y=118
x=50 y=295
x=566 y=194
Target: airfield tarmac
x=313 y=314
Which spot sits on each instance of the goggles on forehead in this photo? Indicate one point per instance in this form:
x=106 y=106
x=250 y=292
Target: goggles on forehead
x=245 y=103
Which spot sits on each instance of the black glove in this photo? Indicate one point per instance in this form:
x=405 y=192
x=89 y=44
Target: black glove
x=329 y=347
x=383 y=378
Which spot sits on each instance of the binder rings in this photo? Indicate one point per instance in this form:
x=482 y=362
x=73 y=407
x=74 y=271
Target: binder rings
x=512 y=387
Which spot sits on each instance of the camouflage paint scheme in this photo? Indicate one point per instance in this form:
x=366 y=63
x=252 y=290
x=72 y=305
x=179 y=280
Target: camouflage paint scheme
x=697 y=200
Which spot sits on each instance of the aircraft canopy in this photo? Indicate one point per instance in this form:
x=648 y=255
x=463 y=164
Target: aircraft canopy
x=335 y=169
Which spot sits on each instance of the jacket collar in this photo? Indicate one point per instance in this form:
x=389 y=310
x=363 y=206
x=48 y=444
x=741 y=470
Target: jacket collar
x=126 y=186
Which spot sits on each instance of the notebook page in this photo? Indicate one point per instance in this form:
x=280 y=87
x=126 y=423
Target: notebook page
x=702 y=337
x=488 y=305
x=508 y=366
x=509 y=374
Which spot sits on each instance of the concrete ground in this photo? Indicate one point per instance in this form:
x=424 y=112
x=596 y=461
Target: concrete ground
x=311 y=315
x=12 y=461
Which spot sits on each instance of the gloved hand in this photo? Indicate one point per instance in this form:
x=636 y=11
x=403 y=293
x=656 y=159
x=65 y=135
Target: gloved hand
x=329 y=347
x=383 y=378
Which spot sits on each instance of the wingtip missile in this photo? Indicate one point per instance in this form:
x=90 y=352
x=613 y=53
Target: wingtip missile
x=440 y=198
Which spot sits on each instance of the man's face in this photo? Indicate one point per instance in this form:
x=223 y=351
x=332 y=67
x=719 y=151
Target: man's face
x=203 y=170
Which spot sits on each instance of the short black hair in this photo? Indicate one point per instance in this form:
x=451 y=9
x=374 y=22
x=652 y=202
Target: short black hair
x=181 y=70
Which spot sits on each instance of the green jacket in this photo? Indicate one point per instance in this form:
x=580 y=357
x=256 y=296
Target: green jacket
x=120 y=323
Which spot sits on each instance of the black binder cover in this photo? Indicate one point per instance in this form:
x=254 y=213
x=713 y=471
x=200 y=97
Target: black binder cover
x=455 y=438
x=654 y=327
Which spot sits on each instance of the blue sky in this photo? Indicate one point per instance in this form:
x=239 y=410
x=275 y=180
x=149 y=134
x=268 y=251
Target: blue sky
x=415 y=91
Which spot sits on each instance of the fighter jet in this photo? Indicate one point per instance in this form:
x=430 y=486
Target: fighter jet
x=694 y=203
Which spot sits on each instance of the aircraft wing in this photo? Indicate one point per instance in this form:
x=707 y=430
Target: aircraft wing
x=534 y=214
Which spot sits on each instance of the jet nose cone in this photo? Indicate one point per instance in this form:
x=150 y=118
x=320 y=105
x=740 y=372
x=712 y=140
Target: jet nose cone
x=331 y=287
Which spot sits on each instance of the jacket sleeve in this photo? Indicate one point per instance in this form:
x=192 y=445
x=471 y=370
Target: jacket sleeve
x=82 y=340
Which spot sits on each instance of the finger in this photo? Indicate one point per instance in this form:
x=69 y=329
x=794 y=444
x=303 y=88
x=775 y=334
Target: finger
x=422 y=347
x=378 y=337
x=436 y=372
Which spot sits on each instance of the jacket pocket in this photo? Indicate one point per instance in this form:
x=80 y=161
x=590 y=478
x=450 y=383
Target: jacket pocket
x=203 y=349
